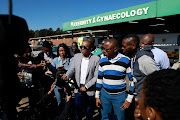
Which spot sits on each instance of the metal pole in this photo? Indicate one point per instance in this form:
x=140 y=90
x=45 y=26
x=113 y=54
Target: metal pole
x=179 y=53
x=108 y=33
x=10 y=11
x=72 y=36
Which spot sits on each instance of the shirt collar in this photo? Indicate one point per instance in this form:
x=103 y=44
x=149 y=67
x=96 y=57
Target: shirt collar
x=119 y=55
x=88 y=57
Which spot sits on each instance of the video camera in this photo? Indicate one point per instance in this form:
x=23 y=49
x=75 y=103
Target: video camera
x=67 y=84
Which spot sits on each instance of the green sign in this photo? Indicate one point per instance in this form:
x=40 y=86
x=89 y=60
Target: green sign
x=143 y=11
x=168 y=7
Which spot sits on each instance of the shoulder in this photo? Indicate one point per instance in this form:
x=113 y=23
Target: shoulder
x=56 y=58
x=125 y=59
x=158 y=51
x=104 y=60
x=95 y=57
x=145 y=59
x=77 y=55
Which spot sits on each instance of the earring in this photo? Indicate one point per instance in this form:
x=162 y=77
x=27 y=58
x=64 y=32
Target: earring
x=148 y=118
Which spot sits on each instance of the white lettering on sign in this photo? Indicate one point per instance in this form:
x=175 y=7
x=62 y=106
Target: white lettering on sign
x=114 y=16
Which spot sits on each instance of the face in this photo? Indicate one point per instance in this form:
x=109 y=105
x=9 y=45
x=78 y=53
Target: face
x=27 y=54
x=145 y=42
x=109 y=50
x=74 y=48
x=102 y=50
x=46 y=51
x=62 y=52
x=127 y=48
x=85 y=48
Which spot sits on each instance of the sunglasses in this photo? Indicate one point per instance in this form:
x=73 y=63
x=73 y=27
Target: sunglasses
x=84 y=47
x=107 y=50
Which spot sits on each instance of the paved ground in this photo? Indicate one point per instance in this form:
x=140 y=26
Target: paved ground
x=23 y=112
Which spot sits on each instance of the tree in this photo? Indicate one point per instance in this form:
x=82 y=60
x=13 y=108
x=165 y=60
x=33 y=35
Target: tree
x=50 y=32
x=58 y=31
x=31 y=33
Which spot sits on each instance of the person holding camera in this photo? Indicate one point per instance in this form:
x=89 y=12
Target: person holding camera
x=60 y=65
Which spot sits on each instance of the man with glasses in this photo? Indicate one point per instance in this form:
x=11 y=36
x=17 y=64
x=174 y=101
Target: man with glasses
x=111 y=82
x=85 y=67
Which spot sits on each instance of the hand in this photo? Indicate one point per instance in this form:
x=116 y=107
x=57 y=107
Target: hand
x=41 y=65
x=47 y=61
x=60 y=68
x=64 y=77
x=68 y=97
x=52 y=88
x=125 y=105
x=48 y=73
x=137 y=113
x=19 y=75
x=98 y=101
x=83 y=89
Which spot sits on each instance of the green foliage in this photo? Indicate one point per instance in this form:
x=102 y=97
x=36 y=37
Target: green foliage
x=45 y=32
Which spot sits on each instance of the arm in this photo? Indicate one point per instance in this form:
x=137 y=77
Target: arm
x=94 y=79
x=71 y=70
x=44 y=99
x=147 y=65
x=165 y=63
x=99 y=86
x=29 y=66
x=131 y=87
x=52 y=66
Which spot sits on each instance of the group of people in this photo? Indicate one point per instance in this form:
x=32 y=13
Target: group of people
x=100 y=79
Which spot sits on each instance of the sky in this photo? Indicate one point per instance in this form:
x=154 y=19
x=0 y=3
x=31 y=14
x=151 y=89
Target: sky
x=45 y=14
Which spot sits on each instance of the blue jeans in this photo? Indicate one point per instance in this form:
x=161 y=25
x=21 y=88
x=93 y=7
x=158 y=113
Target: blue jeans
x=84 y=103
x=58 y=92
x=108 y=101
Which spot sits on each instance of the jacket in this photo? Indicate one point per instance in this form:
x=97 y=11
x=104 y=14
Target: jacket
x=92 y=72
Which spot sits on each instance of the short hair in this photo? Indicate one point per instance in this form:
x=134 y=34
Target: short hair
x=162 y=92
x=46 y=44
x=67 y=52
x=75 y=44
x=91 y=43
x=134 y=39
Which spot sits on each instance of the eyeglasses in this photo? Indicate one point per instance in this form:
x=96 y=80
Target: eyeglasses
x=107 y=50
x=83 y=47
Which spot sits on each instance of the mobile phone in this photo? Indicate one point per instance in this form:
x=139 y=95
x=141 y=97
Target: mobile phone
x=100 y=105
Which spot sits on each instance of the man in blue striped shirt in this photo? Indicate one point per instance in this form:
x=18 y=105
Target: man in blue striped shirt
x=111 y=82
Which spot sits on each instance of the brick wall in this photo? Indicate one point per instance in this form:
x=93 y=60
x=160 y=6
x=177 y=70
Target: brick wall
x=67 y=41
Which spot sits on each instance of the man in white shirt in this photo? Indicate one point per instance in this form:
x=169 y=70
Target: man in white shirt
x=160 y=57
x=85 y=67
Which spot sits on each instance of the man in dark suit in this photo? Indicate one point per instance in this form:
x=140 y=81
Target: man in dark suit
x=85 y=67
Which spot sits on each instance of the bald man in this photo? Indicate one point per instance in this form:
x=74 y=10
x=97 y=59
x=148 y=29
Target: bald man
x=160 y=57
x=143 y=63
x=111 y=83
